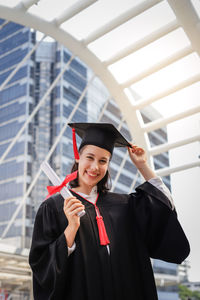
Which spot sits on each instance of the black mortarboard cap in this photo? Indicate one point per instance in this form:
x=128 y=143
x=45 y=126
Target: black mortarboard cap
x=103 y=135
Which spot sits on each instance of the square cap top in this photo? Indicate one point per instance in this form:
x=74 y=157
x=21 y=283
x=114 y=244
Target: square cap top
x=103 y=135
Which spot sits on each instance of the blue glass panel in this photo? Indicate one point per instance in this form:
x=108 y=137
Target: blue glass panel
x=9 y=130
x=70 y=94
x=10 y=190
x=163 y=267
x=68 y=133
x=76 y=65
x=18 y=149
x=168 y=296
x=79 y=117
x=164 y=264
x=12 y=58
x=75 y=80
x=19 y=75
x=12 y=93
x=11 y=169
x=67 y=110
x=57 y=56
x=56 y=72
x=127 y=181
x=56 y=110
x=11 y=111
x=9 y=29
x=7 y=210
x=67 y=150
x=56 y=129
x=57 y=92
x=66 y=168
x=79 y=68
x=13 y=231
x=14 y=41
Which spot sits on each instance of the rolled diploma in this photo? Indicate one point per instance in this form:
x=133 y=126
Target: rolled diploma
x=55 y=180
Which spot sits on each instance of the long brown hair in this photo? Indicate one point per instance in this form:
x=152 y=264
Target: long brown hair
x=102 y=186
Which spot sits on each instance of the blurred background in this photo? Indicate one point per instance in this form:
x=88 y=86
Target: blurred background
x=134 y=64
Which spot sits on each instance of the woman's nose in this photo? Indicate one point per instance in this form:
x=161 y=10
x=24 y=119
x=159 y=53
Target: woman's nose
x=95 y=165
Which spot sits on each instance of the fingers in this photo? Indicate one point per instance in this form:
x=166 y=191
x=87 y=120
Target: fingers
x=137 y=150
x=72 y=206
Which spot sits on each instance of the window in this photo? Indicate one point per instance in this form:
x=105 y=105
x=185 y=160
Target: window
x=74 y=80
x=10 y=190
x=75 y=64
x=9 y=29
x=125 y=180
x=16 y=150
x=31 y=90
x=20 y=74
x=10 y=130
x=67 y=110
x=67 y=151
x=12 y=93
x=11 y=169
x=57 y=56
x=12 y=58
x=12 y=111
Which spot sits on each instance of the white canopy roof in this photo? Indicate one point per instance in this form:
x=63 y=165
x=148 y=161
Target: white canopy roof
x=144 y=51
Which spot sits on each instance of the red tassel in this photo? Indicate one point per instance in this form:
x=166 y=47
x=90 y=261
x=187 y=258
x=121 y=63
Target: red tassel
x=102 y=231
x=76 y=154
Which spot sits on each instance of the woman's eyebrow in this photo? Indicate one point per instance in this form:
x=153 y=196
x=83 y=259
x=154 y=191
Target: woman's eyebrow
x=103 y=157
x=90 y=154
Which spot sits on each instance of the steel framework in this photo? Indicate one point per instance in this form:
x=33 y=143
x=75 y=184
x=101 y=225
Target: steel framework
x=186 y=18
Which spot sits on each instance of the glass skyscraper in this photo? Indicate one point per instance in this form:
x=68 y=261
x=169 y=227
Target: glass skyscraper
x=17 y=101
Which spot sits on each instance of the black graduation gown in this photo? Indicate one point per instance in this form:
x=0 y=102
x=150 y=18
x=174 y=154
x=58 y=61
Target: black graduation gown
x=139 y=226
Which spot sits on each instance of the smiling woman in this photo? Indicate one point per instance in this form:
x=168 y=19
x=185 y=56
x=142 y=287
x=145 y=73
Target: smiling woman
x=106 y=254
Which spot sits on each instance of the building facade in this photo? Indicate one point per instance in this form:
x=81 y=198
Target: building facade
x=17 y=101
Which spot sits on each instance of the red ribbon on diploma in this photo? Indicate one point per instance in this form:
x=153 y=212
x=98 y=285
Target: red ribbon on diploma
x=57 y=188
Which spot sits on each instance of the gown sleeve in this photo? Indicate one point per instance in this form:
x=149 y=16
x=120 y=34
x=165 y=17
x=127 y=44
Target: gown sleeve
x=48 y=256
x=158 y=225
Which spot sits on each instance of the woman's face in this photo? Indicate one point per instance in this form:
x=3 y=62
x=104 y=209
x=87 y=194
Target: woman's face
x=93 y=165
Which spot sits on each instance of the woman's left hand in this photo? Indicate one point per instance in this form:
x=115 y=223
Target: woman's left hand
x=137 y=155
x=139 y=158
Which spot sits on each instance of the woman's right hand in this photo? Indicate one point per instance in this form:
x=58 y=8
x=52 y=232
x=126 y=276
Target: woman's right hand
x=72 y=206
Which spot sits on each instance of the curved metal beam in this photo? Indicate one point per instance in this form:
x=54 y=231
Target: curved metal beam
x=177 y=87
x=126 y=16
x=144 y=42
x=168 y=146
x=164 y=121
x=170 y=170
x=158 y=66
x=189 y=20
x=72 y=11
x=17 y=15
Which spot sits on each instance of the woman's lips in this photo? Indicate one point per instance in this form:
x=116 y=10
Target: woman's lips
x=91 y=174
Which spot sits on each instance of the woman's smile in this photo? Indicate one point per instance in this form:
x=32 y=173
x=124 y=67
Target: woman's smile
x=91 y=174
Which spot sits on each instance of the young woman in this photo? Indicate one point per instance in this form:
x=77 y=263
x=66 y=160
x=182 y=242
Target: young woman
x=104 y=255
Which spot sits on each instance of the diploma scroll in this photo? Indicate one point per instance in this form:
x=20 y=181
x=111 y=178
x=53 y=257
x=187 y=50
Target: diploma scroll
x=55 y=180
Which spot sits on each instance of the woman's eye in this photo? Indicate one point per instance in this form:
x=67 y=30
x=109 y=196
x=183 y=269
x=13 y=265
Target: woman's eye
x=89 y=157
x=103 y=161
